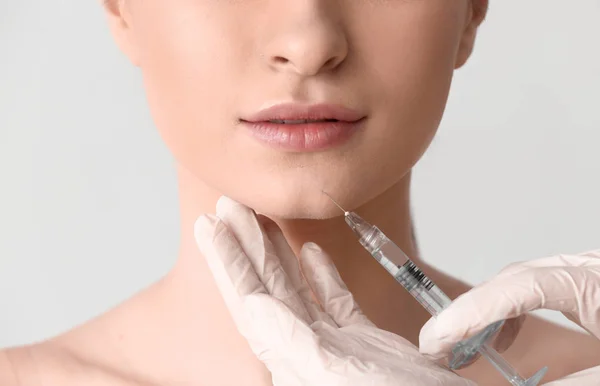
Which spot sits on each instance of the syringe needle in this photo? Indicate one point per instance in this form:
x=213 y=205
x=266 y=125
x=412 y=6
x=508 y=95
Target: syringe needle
x=336 y=204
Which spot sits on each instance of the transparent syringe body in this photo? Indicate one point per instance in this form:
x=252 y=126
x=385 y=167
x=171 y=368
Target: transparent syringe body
x=393 y=259
x=433 y=299
x=416 y=283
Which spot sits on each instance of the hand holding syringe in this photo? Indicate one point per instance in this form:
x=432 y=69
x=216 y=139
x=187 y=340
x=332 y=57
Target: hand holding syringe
x=431 y=297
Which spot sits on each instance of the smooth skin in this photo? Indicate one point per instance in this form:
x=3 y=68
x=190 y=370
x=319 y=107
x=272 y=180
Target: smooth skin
x=205 y=64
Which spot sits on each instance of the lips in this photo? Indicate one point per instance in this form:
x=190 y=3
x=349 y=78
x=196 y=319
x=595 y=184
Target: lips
x=303 y=127
x=300 y=121
x=298 y=112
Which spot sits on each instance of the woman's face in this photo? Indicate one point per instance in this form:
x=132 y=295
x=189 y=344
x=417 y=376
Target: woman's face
x=211 y=65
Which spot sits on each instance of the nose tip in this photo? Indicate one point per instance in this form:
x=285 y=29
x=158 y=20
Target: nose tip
x=309 y=51
x=306 y=67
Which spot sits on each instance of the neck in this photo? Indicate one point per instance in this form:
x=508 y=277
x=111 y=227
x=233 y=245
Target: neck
x=382 y=299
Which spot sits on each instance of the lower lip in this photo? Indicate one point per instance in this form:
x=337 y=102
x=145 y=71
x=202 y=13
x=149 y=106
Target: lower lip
x=303 y=137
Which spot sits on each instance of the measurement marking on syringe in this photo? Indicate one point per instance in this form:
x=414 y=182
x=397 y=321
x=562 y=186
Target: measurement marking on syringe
x=415 y=272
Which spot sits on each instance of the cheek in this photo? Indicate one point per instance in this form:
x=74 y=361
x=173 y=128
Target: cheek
x=410 y=76
x=188 y=81
x=410 y=72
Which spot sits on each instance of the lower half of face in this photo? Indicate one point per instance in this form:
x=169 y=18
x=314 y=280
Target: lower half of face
x=210 y=67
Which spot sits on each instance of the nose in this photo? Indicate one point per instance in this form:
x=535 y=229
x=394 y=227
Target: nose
x=305 y=39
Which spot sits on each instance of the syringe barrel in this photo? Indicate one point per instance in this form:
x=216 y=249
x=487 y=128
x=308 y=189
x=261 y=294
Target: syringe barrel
x=395 y=261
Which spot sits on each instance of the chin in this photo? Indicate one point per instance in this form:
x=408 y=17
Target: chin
x=290 y=204
x=297 y=193
x=289 y=207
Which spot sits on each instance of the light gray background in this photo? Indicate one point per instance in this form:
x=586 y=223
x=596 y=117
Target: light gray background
x=514 y=173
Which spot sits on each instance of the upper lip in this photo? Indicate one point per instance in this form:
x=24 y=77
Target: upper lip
x=294 y=111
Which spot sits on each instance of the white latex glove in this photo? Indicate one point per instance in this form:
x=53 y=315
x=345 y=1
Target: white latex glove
x=301 y=342
x=566 y=283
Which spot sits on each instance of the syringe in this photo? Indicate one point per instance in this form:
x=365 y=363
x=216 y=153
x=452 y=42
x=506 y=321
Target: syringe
x=430 y=296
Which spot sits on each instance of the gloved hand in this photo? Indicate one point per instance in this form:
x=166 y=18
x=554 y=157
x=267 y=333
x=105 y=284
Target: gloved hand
x=566 y=283
x=303 y=340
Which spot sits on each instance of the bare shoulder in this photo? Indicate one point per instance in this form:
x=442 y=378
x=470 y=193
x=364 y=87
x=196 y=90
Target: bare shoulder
x=8 y=375
x=92 y=353
x=541 y=343
x=563 y=350
x=46 y=364
x=19 y=367
x=83 y=355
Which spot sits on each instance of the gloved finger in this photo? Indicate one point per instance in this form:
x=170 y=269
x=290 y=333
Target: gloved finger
x=329 y=288
x=260 y=252
x=277 y=334
x=291 y=266
x=594 y=254
x=587 y=377
x=587 y=259
x=567 y=283
x=229 y=266
x=508 y=297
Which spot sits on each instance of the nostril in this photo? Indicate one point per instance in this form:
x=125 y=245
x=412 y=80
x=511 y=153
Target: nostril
x=280 y=60
x=330 y=63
